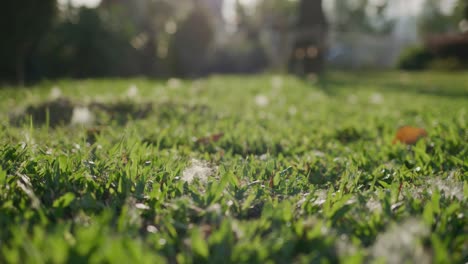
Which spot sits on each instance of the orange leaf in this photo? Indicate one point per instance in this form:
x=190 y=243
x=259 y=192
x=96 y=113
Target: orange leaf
x=409 y=135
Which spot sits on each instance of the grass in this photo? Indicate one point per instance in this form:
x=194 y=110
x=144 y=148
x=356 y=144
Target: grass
x=257 y=169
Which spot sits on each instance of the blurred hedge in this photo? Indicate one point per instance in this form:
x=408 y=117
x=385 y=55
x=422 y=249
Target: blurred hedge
x=443 y=52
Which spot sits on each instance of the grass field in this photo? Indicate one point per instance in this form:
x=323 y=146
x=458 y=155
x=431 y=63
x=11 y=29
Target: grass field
x=261 y=169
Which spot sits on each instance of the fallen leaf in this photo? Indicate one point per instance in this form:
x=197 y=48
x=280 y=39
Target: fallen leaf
x=212 y=138
x=271 y=182
x=409 y=135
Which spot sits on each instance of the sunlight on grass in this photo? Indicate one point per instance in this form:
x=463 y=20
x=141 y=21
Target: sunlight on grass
x=259 y=169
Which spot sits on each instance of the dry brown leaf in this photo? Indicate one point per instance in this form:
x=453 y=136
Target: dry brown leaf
x=271 y=182
x=212 y=138
x=409 y=135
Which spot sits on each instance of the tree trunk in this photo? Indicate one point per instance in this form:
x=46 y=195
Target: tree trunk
x=308 y=53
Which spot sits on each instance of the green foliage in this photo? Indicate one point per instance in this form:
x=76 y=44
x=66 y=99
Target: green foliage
x=309 y=176
x=118 y=38
x=450 y=57
x=82 y=45
x=434 y=21
x=415 y=58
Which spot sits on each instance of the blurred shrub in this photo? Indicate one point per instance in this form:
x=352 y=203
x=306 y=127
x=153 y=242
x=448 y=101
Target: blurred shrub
x=440 y=52
x=453 y=46
x=414 y=58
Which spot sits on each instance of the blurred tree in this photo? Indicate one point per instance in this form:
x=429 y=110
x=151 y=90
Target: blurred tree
x=460 y=15
x=276 y=20
x=308 y=50
x=365 y=16
x=83 y=45
x=434 y=21
x=22 y=23
x=192 y=42
x=119 y=38
x=258 y=37
x=150 y=25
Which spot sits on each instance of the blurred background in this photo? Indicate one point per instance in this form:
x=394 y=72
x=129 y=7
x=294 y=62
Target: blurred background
x=50 y=39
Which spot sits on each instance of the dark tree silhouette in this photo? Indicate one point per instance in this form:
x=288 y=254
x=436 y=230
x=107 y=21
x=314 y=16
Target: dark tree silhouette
x=309 y=39
x=22 y=24
x=192 y=42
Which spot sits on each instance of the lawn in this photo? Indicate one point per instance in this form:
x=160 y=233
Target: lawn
x=247 y=169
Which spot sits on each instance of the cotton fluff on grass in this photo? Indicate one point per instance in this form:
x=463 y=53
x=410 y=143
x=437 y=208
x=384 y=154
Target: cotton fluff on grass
x=200 y=170
x=132 y=91
x=402 y=243
x=55 y=93
x=277 y=82
x=376 y=98
x=449 y=187
x=82 y=116
x=261 y=100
